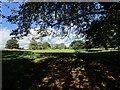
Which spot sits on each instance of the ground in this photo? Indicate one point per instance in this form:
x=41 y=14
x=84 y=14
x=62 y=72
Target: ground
x=39 y=70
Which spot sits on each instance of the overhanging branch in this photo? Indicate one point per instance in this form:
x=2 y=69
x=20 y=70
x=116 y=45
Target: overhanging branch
x=78 y=16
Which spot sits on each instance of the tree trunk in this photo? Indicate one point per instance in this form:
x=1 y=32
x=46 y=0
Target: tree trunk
x=105 y=46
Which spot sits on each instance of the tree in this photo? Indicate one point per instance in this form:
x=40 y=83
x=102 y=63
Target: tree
x=77 y=44
x=33 y=45
x=88 y=45
x=100 y=33
x=45 y=45
x=55 y=14
x=65 y=14
x=62 y=46
x=58 y=46
x=39 y=47
x=12 y=44
x=105 y=31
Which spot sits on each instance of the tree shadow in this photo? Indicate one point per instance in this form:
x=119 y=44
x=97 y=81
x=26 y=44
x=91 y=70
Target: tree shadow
x=64 y=71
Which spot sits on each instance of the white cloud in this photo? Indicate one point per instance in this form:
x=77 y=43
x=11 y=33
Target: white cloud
x=4 y=33
x=24 y=42
x=56 y=40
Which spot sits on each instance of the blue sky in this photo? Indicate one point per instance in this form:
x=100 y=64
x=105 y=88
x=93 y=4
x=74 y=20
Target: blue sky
x=7 y=27
x=6 y=11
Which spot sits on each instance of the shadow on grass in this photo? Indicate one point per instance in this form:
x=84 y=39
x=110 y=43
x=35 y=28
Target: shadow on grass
x=63 y=71
x=14 y=54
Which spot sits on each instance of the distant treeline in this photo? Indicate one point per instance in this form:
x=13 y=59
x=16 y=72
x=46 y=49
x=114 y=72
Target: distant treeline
x=34 y=45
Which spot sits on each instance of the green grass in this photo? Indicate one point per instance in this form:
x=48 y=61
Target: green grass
x=54 y=51
x=63 y=50
x=13 y=55
x=60 y=69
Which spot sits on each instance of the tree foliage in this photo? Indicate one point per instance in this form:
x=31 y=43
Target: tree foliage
x=54 y=14
x=86 y=17
x=77 y=44
x=59 y=46
x=105 y=32
x=33 y=45
x=12 y=44
x=45 y=45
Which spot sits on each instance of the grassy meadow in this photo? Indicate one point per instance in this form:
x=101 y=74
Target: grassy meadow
x=60 y=69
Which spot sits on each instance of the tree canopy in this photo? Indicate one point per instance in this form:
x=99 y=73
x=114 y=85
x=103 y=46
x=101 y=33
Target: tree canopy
x=12 y=44
x=58 y=46
x=45 y=45
x=33 y=45
x=77 y=44
x=83 y=16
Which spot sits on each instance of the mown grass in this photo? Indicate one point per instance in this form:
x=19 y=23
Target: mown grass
x=38 y=70
x=45 y=51
x=65 y=50
x=12 y=55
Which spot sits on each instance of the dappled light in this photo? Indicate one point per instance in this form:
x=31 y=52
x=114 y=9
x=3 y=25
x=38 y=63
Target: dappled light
x=57 y=71
x=65 y=46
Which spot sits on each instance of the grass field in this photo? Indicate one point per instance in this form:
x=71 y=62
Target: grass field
x=60 y=69
x=45 y=51
x=63 y=50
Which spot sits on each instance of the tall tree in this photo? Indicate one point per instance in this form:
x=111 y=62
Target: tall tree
x=45 y=45
x=12 y=44
x=105 y=32
x=62 y=46
x=33 y=45
x=101 y=33
x=60 y=15
x=55 y=14
x=77 y=44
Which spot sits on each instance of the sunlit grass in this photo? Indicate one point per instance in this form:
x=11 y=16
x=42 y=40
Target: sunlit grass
x=54 y=51
x=64 y=50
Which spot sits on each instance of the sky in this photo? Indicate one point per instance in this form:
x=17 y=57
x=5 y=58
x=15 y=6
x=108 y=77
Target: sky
x=7 y=27
x=6 y=11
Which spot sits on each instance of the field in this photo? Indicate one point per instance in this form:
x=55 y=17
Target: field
x=60 y=69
